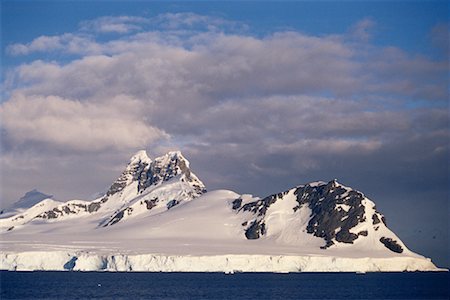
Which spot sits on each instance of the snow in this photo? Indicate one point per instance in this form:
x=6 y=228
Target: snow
x=316 y=183
x=27 y=215
x=140 y=156
x=199 y=234
x=202 y=235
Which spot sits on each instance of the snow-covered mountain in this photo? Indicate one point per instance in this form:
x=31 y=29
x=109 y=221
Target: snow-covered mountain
x=31 y=198
x=28 y=200
x=144 y=186
x=157 y=216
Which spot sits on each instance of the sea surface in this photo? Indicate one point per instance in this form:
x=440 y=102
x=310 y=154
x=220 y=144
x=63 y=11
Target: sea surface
x=105 y=285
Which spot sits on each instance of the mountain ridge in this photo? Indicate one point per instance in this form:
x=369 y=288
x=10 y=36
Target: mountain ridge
x=158 y=205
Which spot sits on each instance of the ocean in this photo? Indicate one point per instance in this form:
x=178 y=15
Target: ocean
x=106 y=285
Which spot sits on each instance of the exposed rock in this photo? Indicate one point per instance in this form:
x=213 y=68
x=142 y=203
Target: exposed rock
x=167 y=167
x=335 y=210
x=391 y=244
x=172 y=203
x=255 y=230
x=118 y=216
x=375 y=219
x=327 y=216
x=237 y=203
x=151 y=203
x=93 y=207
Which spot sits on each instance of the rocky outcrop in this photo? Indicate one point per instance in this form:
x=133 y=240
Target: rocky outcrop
x=336 y=212
x=391 y=244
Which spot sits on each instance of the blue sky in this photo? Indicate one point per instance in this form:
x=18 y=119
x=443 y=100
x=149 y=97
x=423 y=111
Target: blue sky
x=260 y=96
x=405 y=24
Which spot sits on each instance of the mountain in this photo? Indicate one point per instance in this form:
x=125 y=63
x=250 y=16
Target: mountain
x=157 y=216
x=143 y=186
x=28 y=200
x=31 y=198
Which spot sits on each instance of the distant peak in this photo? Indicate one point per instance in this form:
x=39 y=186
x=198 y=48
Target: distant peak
x=34 y=193
x=31 y=198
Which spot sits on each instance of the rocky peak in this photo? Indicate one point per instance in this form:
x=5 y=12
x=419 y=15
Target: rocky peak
x=336 y=211
x=148 y=172
x=168 y=166
x=139 y=163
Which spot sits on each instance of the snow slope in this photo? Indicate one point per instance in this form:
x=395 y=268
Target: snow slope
x=158 y=217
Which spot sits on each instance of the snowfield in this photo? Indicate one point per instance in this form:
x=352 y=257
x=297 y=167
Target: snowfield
x=158 y=217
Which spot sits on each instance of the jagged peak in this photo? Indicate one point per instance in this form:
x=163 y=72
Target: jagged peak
x=172 y=155
x=173 y=159
x=332 y=184
x=140 y=156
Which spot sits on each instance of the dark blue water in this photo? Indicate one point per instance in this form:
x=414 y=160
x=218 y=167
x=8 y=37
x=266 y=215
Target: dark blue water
x=79 y=285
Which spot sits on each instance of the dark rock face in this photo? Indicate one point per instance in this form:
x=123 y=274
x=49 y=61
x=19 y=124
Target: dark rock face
x=67 y=209
x=260 y=207
x=335 y=211
x=255 y=230
x=391 y=244
x=151 y=203
x=133 y=171
x=119 y=216
x=172 y=203
x=237 y=203
x=363 y=233
x=93 y=207
x=375 y=219
x=165 y=168
x=330 y=221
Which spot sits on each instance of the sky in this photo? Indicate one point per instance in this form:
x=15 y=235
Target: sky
x=259 y=96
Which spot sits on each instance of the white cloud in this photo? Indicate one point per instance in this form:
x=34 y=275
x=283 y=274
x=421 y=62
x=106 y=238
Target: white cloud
x=69 y=124
x=114 y=24
x=362 y=29
x=68 y=43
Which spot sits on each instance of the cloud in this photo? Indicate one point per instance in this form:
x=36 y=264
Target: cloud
x=253 y=113
x=68 y=43
x=67 y=124
x=361 y=30
x=192 y=21
x=114 y=24
x=151 y=63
